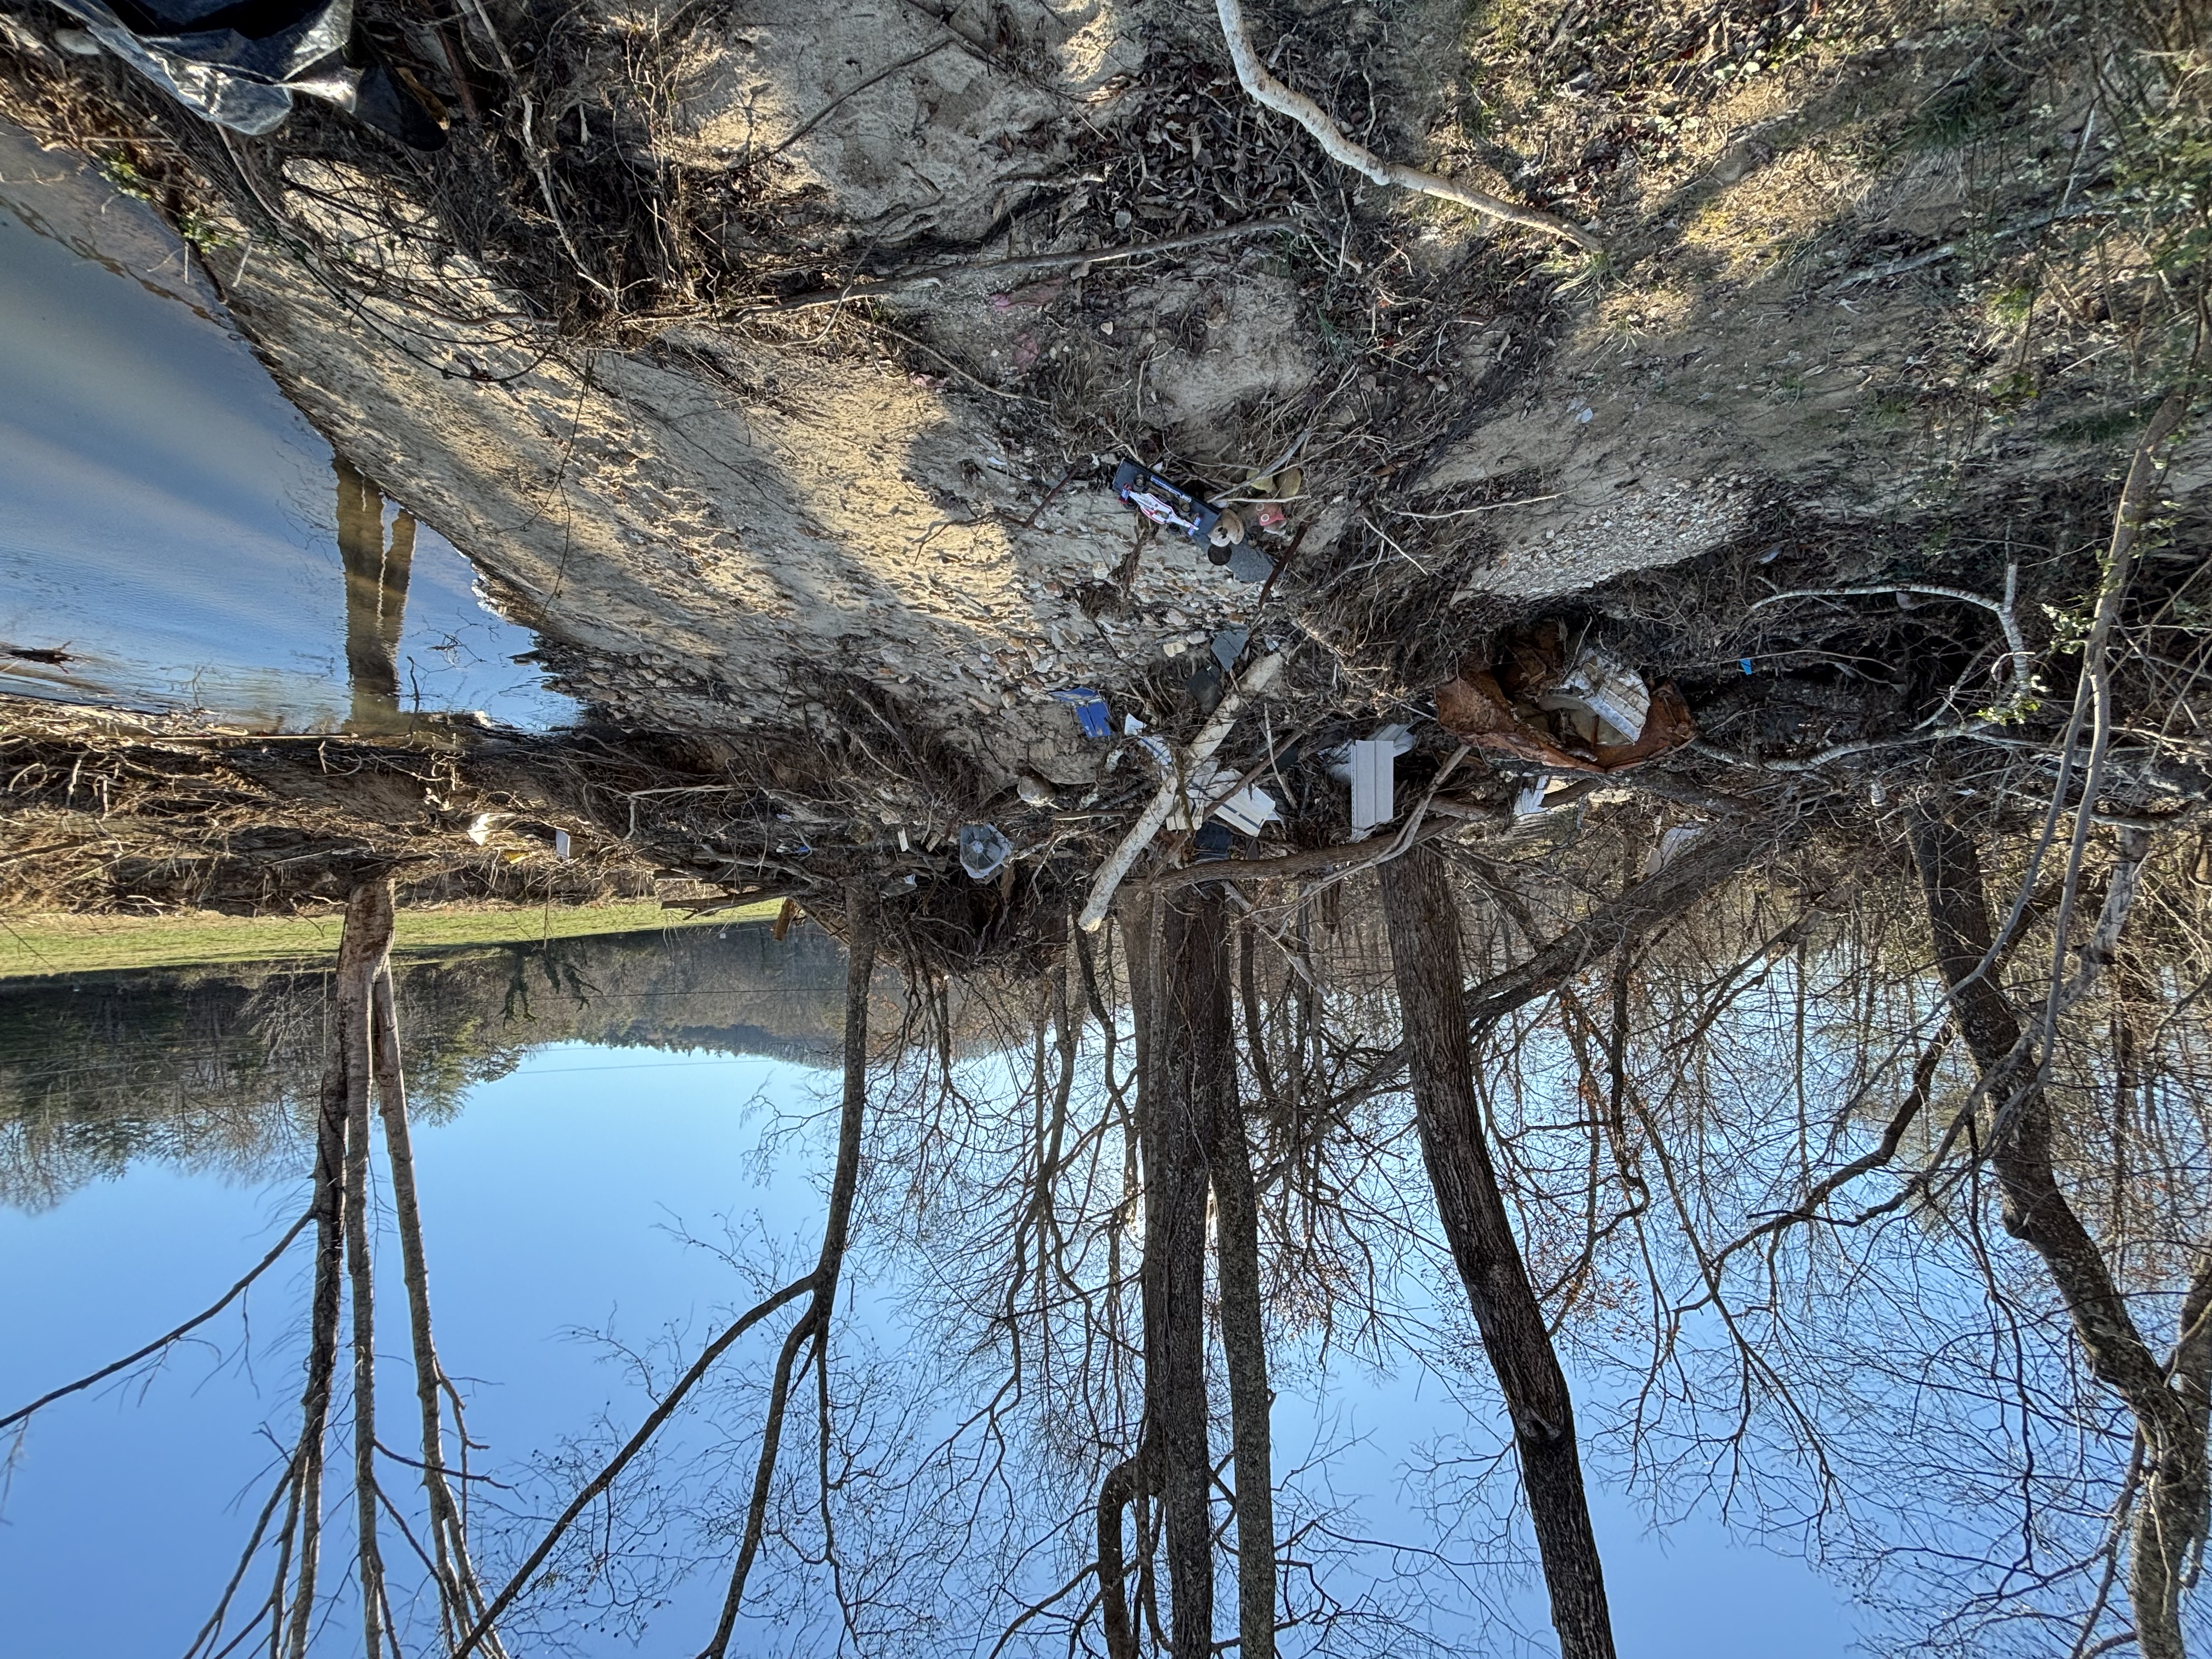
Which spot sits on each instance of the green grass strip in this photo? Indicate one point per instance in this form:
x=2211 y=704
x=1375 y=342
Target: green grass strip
x=41 y=944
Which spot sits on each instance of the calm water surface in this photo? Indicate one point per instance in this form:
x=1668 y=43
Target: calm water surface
x=170 y=524
x=612 y=1135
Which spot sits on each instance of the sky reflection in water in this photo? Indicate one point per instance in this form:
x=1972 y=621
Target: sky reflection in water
x=555 y=1200
x=166 y=516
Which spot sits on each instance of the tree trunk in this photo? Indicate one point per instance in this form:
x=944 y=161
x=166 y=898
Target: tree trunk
x=1189 y=1030
x=456 y=1571
x=1244 y=1345
x=375 y=598
x=1424 y=951
x=370 y=912
x=2171 y=1510
x=361 y=946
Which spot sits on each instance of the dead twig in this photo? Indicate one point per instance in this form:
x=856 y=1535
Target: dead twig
x=1268 y=90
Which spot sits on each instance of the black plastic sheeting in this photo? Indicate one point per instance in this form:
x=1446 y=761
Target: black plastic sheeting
x=240 y=63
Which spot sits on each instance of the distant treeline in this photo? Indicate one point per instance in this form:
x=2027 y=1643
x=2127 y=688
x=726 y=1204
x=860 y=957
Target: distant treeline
x=218 y=1066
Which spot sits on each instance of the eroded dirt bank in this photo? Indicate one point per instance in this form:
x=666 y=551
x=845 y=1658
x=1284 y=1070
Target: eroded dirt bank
x=770 y=361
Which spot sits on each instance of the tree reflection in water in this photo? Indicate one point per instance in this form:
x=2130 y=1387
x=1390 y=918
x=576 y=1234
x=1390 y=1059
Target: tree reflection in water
x=1740 y=1154
x=376 y=574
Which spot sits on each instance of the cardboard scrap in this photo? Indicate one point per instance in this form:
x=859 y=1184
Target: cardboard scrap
x=1590 y=714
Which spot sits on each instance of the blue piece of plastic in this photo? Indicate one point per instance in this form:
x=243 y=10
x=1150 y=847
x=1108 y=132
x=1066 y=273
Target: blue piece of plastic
x=1090 y=710
x=1747 y=663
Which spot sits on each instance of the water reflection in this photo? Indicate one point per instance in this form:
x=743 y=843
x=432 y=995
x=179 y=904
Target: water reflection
x=375 y=596
x=165 y=526
x=217 y=1068
x=565 y=1198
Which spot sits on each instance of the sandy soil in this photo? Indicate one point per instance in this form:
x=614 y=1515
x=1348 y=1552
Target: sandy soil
x=704 y=525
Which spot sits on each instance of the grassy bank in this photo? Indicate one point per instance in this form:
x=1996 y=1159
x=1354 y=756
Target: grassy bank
x=34 y=944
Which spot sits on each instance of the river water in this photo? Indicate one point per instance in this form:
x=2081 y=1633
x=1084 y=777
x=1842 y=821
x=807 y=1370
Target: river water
x=615 y=1137
x=173 y=533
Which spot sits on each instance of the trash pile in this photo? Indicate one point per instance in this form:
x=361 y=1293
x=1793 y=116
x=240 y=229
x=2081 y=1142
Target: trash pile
x=240 y=67
x=1234 y=527
x=1564 y=707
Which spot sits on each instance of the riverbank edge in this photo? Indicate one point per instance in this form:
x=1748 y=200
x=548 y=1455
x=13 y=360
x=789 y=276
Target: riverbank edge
x=38 y=946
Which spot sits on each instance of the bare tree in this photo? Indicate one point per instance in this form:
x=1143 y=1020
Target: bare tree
x=1424 y=948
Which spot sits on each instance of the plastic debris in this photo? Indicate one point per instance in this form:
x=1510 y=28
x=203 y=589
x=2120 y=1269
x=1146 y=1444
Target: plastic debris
x=983 y=850
x=1035 y=790
x=1229 y=645
x=1373 y=784
x=1607 y=689
x=1107 y=881
x=1530 y=801
x=561 y=844
x=1371 y=767
x=1210 y=845
x=1248 y=812
x=1207 y=791
x=1400 y=737
x=194 y=51
x=1090 y=710
x=1163 y=503
x=1202 y=683
x=1592 y=713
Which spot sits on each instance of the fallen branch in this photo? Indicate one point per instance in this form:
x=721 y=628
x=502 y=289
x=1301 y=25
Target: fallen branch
x=2004 y=609
x=1171 y=790
x=162 y=1342
x=1294 y=864
x=1269 y=91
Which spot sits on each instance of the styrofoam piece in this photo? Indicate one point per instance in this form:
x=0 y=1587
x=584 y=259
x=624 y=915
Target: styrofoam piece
x=1610 y=688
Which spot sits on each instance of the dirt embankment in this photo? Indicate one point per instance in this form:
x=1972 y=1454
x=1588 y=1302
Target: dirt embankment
x=769 y=360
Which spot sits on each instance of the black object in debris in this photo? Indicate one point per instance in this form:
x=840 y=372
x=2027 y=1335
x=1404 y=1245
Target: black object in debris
x=1202 y=684
x=1212 y=843
x=1248 y=564
x=239 y=62
x=1164 y=503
